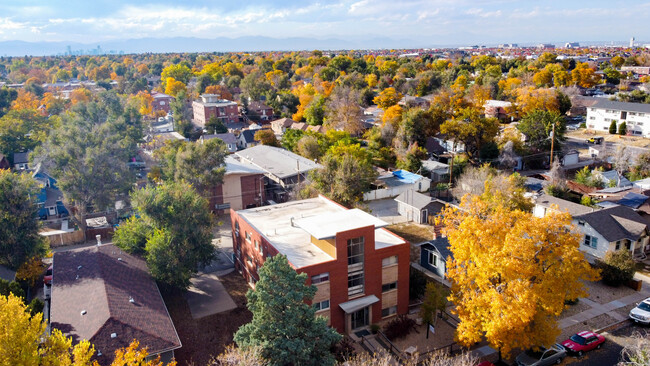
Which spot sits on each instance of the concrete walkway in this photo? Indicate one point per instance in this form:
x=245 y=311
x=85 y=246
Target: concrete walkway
x=597 y=309
x=207 y=296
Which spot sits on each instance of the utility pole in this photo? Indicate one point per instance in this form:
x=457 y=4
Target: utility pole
x=552 y=141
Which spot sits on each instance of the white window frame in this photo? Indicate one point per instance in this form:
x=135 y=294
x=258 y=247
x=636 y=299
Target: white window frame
x=433 y=259
x=590 y=241
x=322 y=305
x=392 y=310
x=248 y=236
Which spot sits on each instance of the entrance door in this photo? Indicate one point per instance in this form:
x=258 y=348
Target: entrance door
x=360 y=318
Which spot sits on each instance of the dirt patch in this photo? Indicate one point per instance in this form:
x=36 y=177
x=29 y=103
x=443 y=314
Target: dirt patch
x=207 y=337
x=443 y=336
x=574 y=309
x=598 y=322
x=414 y=233
x=602 y=294
x=626 y=140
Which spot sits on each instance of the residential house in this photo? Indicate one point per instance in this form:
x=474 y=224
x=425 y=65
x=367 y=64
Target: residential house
x=638 y=70
x=279 y=126
x=259 y=111
x=437 y=171
x=497 y=109
x=611 y=178
x=302 y=126
x=635 y=115
x=571 y=157
x=106 y=296
x=246 y=139
x=338 y=249
x=21 y=160
x=317 y=129
x=545 y=204
x=242 y=187
x=434 y=256
x=417 y=207
x=612 y=229
x=161 y=102
x=49 y=198
x=449 y=144
x=410 y=101
x=391 y=184
x=228 y=138
x=211 y=106
x=4 y=162
x=282 y=169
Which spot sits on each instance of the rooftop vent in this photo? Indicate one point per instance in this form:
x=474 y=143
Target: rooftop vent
x=99 y=353
x=131 y=300
x=77 y=277
x=79 y=267
x=83 y=312
x=113 y=335
x=119 y=259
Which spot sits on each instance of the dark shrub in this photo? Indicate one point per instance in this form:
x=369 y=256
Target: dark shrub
x=399 y=327
x=617 y=268
x=344 y=350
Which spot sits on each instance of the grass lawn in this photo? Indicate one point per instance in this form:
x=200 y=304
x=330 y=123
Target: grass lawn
x=207 y=337
x=413 y=233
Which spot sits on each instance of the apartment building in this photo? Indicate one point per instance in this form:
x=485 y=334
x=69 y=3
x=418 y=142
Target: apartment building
x=211 y=106
x=635 y=115
x=361 y=270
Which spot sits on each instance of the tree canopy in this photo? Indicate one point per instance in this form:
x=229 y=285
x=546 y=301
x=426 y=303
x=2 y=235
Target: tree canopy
x=19 y=238
x=284 y=326
x=511 y=272
x=173 y=232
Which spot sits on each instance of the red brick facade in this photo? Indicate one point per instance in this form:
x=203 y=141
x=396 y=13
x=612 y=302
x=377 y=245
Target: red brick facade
x=248 y=259
x=251 y=193
x=225 y=110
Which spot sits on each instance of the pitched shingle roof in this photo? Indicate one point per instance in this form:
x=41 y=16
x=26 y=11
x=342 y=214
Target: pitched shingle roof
x=615 y=223
x=622 y=106
x=442 y=246
x=573 y=209
x=100 y=280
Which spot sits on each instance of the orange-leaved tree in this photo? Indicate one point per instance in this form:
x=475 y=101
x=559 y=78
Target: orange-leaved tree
x=511 y=272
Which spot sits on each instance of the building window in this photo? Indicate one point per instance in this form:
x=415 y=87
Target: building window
x=608 y=119
x=641 y=114
x=628 y=244
x=248 y=237
x=618 y=245
x=581 y=223
x=162 y=102
x=592 y=118
x=236 y=228
x=632 y=114
x=389 y=286
x=389 y=261
x=355 y=283
x=249 y=260
x=388 y=311
x=257 y=245
x=591 y=241
x=320 y=278
x=355 y=250
x=433 y=259
x=323 y=305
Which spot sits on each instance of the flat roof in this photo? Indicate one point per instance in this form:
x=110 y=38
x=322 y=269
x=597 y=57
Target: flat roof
x=326 y=225
x=277 y=161
x=279 y=225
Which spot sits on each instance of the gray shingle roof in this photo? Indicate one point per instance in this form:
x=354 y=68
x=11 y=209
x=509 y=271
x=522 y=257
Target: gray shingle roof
x=565 y=206
x=615 y=223
x=441 y=244
x=277 y=161
x=414 y=199
x=622 y=106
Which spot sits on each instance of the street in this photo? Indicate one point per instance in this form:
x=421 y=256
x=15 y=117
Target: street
x=573 y=143
x=609 y=354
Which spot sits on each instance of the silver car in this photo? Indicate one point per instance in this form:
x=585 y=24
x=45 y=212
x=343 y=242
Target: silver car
x=641 y=313
x=543 y=357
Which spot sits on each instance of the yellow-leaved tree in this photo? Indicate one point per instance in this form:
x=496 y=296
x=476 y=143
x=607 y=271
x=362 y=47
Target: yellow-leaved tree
x=511 y=272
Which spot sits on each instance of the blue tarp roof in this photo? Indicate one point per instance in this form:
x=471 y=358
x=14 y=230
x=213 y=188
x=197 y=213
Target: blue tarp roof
x=406 y=176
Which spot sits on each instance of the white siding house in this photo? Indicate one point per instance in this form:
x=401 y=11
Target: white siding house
x=635 y=115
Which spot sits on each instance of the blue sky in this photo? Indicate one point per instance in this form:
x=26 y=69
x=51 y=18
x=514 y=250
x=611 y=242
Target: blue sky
x=436 y=22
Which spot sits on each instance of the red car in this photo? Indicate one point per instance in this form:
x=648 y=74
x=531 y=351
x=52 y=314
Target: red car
x=48 y=276
x=583 y=342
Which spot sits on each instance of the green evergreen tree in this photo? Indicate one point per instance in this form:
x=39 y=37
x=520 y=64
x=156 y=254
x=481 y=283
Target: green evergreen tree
x=622 y=129
x=284 y=327
x=612 y=127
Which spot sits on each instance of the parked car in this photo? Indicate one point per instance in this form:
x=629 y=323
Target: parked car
x=641 y=313
x=48 y=276
x=542 y=357
x=582 y=342
x=595 y=140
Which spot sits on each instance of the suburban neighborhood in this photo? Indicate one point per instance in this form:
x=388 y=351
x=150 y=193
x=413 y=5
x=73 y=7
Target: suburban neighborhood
x=461 y=206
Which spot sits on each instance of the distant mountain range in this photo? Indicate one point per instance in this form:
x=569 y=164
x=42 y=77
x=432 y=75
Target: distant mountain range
x=191 y=44
x=223 y=44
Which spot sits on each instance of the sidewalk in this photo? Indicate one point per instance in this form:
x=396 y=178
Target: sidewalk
x=597 y=309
